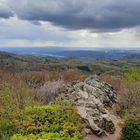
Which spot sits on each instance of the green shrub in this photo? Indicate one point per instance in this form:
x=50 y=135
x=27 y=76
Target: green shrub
x=131 y=130
x=54 y=128
x=7 y=129
x=51 y=118
x=20 y=137
x=51 y=122
x=45 y=136
x=133 y=74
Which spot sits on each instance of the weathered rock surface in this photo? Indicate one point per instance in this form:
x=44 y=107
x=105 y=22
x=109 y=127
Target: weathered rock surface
x=93 y=98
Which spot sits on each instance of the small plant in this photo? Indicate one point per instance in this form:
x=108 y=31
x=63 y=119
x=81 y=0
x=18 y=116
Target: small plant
x=131 y=130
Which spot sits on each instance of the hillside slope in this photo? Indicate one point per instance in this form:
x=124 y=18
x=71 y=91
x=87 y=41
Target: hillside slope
x=34 y=63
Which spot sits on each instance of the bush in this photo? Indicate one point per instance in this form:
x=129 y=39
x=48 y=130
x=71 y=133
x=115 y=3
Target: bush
x=45 y=136
x=49 y=91
x=48 y=122
x=14 y=98
x=131 y=130
x=130 y=95
x=7 y=129
x=133 y=74
x=51 y=118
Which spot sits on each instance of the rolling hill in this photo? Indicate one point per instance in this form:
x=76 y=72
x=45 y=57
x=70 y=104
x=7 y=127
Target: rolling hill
x=36 y=63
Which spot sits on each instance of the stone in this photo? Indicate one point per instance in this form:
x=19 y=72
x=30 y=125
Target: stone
x=93 y=99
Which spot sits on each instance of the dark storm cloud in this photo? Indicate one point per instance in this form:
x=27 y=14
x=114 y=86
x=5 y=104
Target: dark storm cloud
x=95 y=15
x=5 y=12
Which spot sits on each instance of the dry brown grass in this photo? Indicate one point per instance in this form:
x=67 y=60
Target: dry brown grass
x=18 y=89
x=40 y=77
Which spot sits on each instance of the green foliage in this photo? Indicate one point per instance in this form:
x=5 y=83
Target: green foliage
x=131 y=130
x=7 y=128
x=13 y=99
x=52 y=118
x=45 y=136
x=51 y=122
x=133 y=74
x=54 y=128
x=20 y=137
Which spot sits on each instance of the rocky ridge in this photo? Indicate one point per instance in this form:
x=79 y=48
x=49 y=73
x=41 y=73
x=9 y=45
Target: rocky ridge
x=93 y=99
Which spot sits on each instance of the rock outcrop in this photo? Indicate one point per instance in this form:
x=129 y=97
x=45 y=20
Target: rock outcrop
x=93 y=98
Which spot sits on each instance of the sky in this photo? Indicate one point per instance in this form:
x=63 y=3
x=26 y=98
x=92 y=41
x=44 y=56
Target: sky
x=70 y=23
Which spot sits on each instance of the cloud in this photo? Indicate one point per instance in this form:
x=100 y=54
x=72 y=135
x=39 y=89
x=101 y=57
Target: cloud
x=15 y=29
x=87 y=23
x=94 y=15
x=5 y=12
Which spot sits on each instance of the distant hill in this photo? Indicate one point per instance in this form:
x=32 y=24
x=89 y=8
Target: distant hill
x=133 y=58
x=88 y=53
x=21 y=62
x=16 y=62
x=93 y=54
